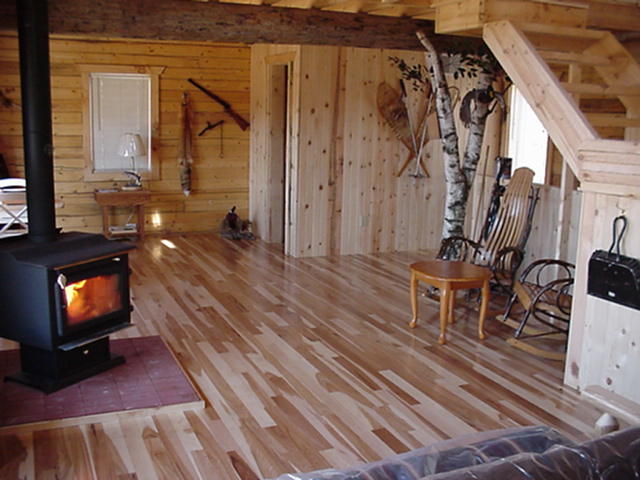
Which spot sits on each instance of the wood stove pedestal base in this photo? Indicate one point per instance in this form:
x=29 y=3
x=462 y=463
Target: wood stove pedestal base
x=52 y=370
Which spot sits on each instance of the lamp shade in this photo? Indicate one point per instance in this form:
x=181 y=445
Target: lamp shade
x=131 y=145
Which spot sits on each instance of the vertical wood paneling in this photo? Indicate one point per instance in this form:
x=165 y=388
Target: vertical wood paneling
x=611 y=350
x=360 y=133
x=261 y=198
x=319 y=67
x=219 y=182
x=278 y=153
x=337 y=158
x=603 y=342
x=375 y=210
x=258 y=171
x=348 y=197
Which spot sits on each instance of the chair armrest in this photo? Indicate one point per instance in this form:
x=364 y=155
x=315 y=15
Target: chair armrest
x=539 y=266
x=504 y=266
x=560 y=287
x=448 y=244
x=517 y=253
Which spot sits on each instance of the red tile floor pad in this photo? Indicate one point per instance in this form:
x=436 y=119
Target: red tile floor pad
x=149 y=378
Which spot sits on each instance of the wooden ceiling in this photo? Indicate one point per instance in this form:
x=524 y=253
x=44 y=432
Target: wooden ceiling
x=418 y=9
x=623 y=15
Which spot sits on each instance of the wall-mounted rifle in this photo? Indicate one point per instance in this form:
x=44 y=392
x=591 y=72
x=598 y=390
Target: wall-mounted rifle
x=242 y=123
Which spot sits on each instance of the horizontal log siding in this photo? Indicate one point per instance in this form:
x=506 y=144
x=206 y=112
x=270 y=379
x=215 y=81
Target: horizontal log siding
x=218 y=182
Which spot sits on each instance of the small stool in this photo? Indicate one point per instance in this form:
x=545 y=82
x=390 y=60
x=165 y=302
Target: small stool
x=449 y=276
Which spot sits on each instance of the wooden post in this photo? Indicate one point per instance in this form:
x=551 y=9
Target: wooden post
x=568 y=183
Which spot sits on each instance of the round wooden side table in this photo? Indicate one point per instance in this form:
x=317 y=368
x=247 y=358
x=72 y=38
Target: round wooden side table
x=449 y=276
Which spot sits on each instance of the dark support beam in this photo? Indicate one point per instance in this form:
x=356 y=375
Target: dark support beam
x=188 y=20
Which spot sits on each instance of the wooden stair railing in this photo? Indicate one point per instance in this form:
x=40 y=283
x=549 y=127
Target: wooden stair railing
x=561 y=69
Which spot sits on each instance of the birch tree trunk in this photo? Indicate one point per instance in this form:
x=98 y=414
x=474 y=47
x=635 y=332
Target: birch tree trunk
x=456 y=183
x=479 y=114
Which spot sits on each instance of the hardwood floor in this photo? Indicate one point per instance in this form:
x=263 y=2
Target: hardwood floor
x=304 y=364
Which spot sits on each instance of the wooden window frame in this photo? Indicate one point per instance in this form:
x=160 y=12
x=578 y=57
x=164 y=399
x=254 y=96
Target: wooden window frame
x=154 y=72
x=507 y=139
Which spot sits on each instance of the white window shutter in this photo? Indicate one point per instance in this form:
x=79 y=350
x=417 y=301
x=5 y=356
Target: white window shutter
x=120 y=103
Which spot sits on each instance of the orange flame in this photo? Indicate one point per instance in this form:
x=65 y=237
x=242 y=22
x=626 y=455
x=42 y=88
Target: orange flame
x=92 y=297
x=72 y=292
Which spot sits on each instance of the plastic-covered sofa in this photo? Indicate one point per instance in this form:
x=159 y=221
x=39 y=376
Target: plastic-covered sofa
x=512 y=454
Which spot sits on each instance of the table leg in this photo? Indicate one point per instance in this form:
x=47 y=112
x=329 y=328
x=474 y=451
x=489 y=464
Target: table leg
x=452 y=306
x=483 y=309
x=105 y=221
x=445 y=293
x=140 y=225
x=414 y=299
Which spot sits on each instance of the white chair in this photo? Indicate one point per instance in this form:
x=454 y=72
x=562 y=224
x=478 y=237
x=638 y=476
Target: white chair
x=14 y=218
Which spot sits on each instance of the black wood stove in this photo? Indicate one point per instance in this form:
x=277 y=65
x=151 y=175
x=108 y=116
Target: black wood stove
x=61 y=294
x=61 y=300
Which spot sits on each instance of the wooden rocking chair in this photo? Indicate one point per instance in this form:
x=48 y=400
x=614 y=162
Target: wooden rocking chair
x=503 y=248
x=544 y=291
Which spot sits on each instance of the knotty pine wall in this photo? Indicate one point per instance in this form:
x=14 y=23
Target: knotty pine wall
x=266 y=178
x=218 y=182
x=346 y=198
x=604 y=342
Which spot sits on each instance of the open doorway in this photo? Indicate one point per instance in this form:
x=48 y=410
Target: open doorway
x=278 y=154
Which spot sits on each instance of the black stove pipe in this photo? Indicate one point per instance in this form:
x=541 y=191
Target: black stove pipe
x=33 y=35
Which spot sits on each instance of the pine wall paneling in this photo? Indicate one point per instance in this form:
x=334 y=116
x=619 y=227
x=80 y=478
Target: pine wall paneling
x=278 y=93
x=348 y=198
x=604 y=342
x=319 y=67
x=263 y=200
x=218 y=182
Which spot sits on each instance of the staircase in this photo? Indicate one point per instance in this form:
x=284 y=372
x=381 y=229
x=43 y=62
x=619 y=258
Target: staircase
x=585 y=88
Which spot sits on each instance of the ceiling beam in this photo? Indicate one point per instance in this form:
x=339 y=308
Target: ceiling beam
x=186 y=20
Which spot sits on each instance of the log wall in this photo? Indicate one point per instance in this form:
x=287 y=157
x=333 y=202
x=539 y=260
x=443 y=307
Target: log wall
x=219 y=181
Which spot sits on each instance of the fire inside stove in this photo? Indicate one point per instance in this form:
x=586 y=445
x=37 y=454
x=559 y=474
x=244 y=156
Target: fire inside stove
x=92 y=297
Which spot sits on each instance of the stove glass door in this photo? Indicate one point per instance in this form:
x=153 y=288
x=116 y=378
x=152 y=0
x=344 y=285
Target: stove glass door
x=92 y=297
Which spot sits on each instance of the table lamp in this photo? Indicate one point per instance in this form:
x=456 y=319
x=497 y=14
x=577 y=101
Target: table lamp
x=131 y=146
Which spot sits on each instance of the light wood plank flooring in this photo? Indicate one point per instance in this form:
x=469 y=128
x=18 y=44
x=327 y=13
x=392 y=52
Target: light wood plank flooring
x=304 y=364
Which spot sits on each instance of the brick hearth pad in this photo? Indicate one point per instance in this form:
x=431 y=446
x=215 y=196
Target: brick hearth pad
x=150 y=380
